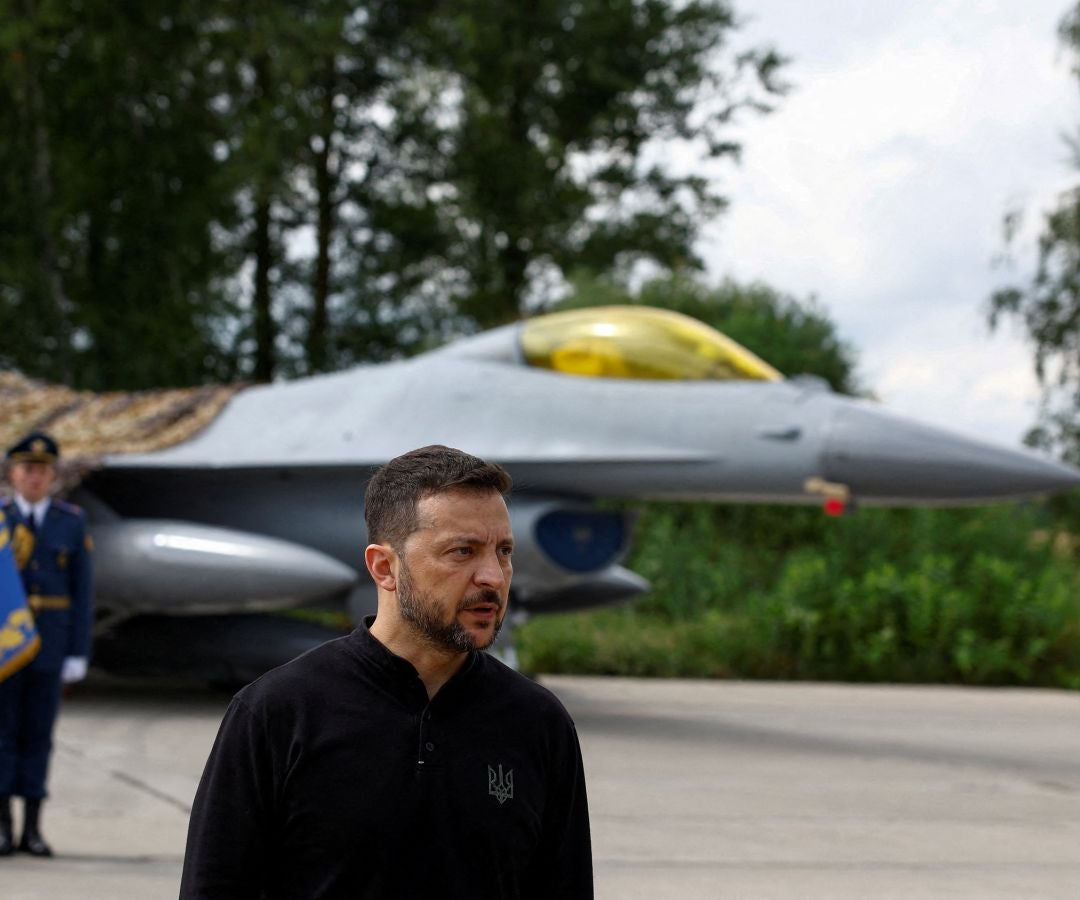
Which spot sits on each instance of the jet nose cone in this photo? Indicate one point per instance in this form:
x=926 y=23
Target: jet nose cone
x=885 y=458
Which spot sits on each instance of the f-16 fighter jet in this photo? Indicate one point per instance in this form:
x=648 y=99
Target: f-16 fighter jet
x=262 y=509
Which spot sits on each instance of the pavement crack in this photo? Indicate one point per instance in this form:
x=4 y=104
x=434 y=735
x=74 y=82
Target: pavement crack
x=132 y=781
x=152 y=791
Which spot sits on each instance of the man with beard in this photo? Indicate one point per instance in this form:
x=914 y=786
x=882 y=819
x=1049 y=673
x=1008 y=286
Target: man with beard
x=401 y=760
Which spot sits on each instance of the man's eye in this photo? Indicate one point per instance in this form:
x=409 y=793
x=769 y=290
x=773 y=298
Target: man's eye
x=506 y=551
x=462 y=551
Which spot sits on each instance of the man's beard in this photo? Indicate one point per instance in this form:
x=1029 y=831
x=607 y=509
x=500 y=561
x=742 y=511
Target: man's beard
x=423 y=612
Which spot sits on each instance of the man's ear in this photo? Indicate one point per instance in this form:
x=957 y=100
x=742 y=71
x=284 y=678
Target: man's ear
x=380 y=559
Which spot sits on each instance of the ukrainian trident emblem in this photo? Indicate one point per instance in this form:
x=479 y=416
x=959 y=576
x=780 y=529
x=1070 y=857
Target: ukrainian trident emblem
x=500 y=786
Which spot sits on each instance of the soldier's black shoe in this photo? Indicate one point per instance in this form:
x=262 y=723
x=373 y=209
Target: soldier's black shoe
x=32 y=842
x=7 y=839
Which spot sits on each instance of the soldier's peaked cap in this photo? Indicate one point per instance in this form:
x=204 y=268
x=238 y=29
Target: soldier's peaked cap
x=35 y=447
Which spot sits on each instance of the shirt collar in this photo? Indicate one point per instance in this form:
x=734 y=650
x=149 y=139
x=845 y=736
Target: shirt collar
x=397 y=672
x=39 y=509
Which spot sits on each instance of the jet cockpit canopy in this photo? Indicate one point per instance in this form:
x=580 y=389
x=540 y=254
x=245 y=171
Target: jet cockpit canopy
x=637 y=342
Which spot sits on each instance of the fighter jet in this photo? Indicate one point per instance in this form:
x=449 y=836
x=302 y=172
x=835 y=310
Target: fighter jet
x=262 y=510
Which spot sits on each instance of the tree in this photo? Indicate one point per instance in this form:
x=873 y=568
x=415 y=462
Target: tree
x=555 y=127
x=448 y=164
x=1049 y=305
x=368 y=236
x=110 y=191
x=312 y=148
x=210 y=189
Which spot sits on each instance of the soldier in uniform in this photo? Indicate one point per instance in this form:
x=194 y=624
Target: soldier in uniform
x=52 y=551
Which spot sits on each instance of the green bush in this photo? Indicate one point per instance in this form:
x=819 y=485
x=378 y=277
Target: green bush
x=623 y=642
x=986 y=622
x=701 y=556
x=975 y=596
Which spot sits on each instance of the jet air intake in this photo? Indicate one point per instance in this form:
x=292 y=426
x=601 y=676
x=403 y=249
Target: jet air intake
x=567 y=554
x=582 y=540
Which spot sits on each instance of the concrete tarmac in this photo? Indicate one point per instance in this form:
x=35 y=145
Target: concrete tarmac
x=697 y=790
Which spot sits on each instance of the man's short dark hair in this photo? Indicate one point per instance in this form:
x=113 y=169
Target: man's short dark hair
x=397 y=488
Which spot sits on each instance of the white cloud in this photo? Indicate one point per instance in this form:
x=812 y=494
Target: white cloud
x=948 y=370
x=880 y=184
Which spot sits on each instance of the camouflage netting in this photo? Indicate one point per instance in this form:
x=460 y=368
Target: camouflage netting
x=89 y=426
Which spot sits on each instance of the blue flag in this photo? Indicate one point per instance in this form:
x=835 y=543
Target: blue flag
x=19 y=640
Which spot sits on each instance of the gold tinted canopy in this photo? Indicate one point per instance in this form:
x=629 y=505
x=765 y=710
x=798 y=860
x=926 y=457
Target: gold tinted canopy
x=637 y=342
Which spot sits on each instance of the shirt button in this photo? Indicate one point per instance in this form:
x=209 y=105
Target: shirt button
x=429 y=746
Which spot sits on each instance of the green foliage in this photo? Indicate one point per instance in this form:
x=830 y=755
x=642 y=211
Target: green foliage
x=207 y=190
x=111 y=189
x=557 y=103
x=979 y=620
x=700 y=556
x=620 y=642
x=983 y=596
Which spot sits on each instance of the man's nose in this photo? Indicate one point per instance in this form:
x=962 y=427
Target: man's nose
x=491 y=573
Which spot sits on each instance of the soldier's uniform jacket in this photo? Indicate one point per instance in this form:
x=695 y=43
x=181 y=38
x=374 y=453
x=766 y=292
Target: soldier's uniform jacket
x=55 y=568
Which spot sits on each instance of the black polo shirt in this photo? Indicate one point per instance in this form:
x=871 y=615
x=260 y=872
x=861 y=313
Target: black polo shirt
x=335 y=776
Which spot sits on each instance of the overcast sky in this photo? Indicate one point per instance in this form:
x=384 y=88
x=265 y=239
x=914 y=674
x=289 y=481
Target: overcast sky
x=880 y=183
